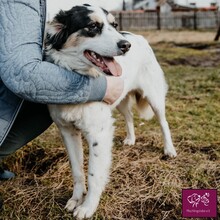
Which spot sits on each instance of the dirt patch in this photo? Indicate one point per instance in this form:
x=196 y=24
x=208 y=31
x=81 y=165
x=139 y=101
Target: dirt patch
x=178 y=36
x=191 y=54
x=39 y=162
x=212 y=61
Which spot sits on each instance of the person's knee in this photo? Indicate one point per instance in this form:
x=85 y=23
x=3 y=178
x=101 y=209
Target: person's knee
x=4 y=153
x=10 y=145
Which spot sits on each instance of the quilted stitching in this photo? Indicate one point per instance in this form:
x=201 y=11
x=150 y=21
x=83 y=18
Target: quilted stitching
x=25 y=73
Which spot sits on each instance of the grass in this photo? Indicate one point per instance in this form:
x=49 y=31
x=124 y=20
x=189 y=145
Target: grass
x=144 y=183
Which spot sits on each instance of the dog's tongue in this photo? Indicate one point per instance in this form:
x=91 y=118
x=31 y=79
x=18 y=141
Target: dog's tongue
x=113 y=66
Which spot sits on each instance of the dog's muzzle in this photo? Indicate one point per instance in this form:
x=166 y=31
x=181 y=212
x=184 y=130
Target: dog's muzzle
x=124 y=46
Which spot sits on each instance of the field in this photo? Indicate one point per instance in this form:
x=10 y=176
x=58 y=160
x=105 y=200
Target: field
x=144 y=184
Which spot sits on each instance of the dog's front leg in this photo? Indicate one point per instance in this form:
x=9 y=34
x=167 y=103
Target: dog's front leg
x=99 y=134
x=73 y=143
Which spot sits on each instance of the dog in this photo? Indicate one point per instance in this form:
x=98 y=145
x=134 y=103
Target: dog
x=85 y=39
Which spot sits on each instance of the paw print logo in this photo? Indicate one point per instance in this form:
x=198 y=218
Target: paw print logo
x=204 y=199
x=195 y=199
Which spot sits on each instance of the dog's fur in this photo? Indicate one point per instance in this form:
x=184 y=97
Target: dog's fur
x=69 y=36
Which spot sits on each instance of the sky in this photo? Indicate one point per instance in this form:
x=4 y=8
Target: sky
x=53 y=6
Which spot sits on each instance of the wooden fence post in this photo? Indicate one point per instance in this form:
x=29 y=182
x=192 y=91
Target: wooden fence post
x=217 y=34
x=218 y=24
x=158 y=18
x=195 y=19
x=120 y=21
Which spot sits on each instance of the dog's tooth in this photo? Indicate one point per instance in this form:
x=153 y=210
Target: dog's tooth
x=93 y=54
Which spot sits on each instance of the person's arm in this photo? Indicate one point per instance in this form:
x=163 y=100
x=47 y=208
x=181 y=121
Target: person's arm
x=22 y=69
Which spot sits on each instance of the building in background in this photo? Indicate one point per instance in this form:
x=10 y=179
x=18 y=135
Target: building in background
x=196 y=3
x=152 y=4
x=53 y=6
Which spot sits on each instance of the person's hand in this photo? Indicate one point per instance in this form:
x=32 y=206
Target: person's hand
x=115 y=86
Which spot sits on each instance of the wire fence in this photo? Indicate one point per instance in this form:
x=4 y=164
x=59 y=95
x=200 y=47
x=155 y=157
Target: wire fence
x=145 y=20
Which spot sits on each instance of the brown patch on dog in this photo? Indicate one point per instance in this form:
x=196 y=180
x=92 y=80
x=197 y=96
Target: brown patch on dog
x=72 y=41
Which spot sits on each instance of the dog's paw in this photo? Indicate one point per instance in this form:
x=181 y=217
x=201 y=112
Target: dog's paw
x=129 y=141
x=82 y=212
x=171 y=152
x=72 y=204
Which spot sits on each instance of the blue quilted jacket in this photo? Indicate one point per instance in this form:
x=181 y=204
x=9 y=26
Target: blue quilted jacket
x=23 y=73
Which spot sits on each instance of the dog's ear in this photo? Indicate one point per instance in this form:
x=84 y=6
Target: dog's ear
x=56 y=34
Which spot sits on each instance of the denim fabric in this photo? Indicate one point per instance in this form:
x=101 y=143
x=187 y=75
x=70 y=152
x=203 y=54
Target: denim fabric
x=32 y=120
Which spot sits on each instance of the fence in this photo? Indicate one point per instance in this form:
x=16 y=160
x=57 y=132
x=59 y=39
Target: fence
x=144 y=20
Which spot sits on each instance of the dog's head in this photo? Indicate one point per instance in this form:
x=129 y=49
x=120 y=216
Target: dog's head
x=89 y=33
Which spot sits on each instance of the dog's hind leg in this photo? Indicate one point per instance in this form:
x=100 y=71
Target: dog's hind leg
x=99 y=134
x=158 y=106
x=73 y=143
x=125 y=109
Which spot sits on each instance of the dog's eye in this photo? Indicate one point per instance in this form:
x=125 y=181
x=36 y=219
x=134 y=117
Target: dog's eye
x=92 y=26
x=92 y=29
x=115 y=25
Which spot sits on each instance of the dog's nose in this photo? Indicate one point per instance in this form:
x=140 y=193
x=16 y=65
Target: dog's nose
x=124 y=45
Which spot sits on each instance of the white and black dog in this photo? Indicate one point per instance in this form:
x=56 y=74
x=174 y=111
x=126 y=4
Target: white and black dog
x=85 y=39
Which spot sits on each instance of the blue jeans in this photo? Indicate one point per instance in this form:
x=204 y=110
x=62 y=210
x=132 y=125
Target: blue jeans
x=32 y=120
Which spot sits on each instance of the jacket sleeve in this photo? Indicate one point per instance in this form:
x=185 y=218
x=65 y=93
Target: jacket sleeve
x=21 y=66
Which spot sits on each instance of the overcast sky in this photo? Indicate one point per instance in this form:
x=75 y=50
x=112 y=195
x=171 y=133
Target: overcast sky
x=53 y=6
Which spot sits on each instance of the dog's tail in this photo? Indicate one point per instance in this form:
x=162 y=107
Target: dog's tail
x=144 y=109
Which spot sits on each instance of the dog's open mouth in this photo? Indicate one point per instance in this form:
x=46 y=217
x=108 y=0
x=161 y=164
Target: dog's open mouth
x=107 y=64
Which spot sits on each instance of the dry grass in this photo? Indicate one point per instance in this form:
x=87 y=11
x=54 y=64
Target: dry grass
x=144 y=184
